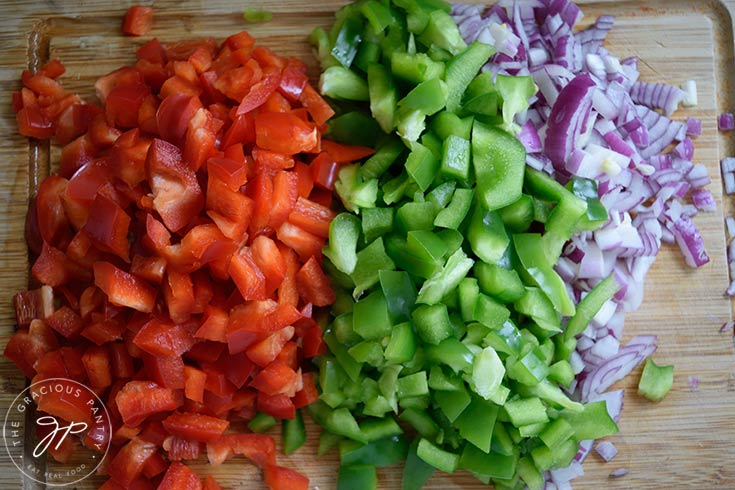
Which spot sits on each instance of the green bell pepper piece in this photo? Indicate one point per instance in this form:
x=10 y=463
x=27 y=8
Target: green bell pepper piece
x=506 y=339
x=380 y=428
x=529 y=370
x=596 y=214
x=397 y=249
x=489 y=312
x=348 y=39
x=443 y=32
x=415 y=384
x=502 y=284
x=556 y=432
x=415 y=216
x=387 y=384
x=499 y=161
x=410 y=124
x=487 y=374
x=525 y=411
x=355 y=128
x=445 y=280
x=552 y=394
x=488 y=464
x=380 y=453
x=441 y=195
x=468 y=293
x=331 y=380
x=416 y=472
x=542 y=186
x=446 y=124
x=293 y=433
x=376 y=222
x=518 y=216
x=476 y=423
x=415 y=68
x=383 y=96
x=400 y=294
x=455 y=161
x=454 y=214
x=354 y=192
x=327 y=441
x=515 y=92
x=342 y=328
x=561 y=372
x=487 y=235
x=592 y=422
x=536 y=305
x=437 y=457
x=344 y=232
x=426 y=245
x=452 y=353
x=351 y=367
x=656 y=381
x=262 y=422
x=428 y=97
x=421 y=421
x=590 y=305
x=463 y=68
x=422 y=166
x=438 y=380
x=530 y=475
x=452 y=403
x=377 y=14
x=383 y=158
x=369 y=352
x=432 y=323
x=370 y=317
x=342 y=422
x=370 y=260
x=357 y=477
x=530 y=250
x=367 y=54
x=342 y=83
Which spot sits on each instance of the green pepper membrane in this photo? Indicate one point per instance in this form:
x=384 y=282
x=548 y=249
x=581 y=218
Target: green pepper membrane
x=450 y=317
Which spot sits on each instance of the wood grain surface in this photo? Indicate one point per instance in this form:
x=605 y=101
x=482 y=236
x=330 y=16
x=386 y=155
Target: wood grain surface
x=686 y=441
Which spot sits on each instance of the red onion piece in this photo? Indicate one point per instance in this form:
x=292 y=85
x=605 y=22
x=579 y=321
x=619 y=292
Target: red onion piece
x=606 y=450
x=620 y=472
x=568 y=114
x=726 y=122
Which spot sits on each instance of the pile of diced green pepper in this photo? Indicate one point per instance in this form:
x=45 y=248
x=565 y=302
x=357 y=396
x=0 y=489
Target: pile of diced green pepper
x=452 y=331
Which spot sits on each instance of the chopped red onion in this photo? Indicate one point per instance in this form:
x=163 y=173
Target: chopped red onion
x=694 y=127
x=528 y=135
x=606 y=450
x=563 y=475
x=620 y=472
x=726 y=121
x=657 y=96
x=730 y=223
x=727 y=326
x=693 y=383
x=703 y=200
x=568 y=115
x=690 y=242
x=690 y=93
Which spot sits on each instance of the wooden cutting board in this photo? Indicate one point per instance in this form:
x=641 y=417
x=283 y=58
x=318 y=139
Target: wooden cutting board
x=686 y=441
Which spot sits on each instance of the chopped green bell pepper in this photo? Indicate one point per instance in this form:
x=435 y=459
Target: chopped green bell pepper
x=293 y=433
x=656 y=381
x=499 y=161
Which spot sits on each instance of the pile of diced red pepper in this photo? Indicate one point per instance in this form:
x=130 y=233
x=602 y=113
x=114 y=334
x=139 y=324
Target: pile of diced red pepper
x=179 y=246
